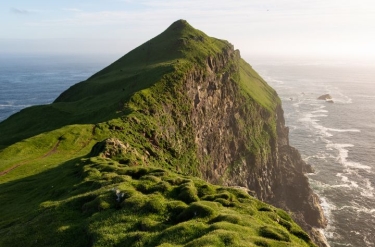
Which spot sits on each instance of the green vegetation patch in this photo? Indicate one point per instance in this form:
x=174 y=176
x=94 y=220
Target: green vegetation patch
x=148 y=207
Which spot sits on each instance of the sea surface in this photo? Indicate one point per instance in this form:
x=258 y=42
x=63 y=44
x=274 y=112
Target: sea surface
x=337 y=139
x=27 y=80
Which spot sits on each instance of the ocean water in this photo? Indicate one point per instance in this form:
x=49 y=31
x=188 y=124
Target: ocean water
x=27 y=80
x=337 y=139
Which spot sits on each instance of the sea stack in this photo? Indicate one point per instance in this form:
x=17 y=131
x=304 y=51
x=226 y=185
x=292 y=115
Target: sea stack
x=326 y=97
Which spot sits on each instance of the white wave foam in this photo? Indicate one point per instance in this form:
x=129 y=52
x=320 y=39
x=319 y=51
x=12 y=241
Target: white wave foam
x=368 y=242
x=359 y=209
x=347 y=183
x=344 y=154
x=337 y=95
x=327 y=207
x=323 y=234
x=343 y=130
x=13 y=106
x=319 y=111
x=368 y=190
x=309 y=118
x=320 y=115
x=364 y=185
x=329 y=231
x=312 y=119
x=318 y=105
x=297 y=104
x=344 y=99
x=275 y=80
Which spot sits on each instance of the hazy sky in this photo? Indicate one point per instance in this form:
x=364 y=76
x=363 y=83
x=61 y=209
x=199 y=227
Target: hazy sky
x=321 y=28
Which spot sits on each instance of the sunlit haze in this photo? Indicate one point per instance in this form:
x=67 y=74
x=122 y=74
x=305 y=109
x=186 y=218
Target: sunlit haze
x=330 y=29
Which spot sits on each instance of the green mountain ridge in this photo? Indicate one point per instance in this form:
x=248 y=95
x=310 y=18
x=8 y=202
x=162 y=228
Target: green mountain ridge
x=128 y=157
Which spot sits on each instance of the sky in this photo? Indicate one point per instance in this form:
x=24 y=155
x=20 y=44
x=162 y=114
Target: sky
x=337 y=29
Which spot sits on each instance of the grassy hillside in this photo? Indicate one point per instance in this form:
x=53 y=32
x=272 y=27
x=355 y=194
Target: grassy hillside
x=63 y=185
x=100 y=202
x=103 y=96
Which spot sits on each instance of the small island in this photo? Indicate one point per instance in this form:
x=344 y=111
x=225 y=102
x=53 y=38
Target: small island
x=326 y=97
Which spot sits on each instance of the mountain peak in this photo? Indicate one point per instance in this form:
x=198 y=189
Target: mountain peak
x=179 y=24
x=180 y=106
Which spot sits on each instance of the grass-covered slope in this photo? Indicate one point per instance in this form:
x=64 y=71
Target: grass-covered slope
x=100 y=202
x=102 y=97
x=138 y=98
x=61 y=184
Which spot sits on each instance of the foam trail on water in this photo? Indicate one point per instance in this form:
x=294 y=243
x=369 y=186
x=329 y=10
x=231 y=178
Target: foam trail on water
x=329 y=231
x=359 y=209
x=343 y=130
x=368 y=191
x=319 y=111
x=347 y=183
x=343 y=156
x=309 y=119
x=14 y=106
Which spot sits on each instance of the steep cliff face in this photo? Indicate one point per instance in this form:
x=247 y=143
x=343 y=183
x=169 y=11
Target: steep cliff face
x=242 y=143
x=219 y=120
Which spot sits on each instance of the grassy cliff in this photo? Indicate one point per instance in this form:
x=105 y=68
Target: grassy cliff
x=124 y=157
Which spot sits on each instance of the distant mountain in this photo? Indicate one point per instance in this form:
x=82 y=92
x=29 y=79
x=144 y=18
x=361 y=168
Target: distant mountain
x=177 y=143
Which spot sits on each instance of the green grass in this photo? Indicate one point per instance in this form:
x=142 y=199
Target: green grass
x=128 y=127
x=256 y=88
x=76 y=204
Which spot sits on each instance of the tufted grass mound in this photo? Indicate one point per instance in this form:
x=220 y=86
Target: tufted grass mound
x=119 y=205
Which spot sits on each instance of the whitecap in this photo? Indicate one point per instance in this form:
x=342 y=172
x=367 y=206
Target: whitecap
x=368 y=242
x=359 y=209
x=311 y=119
x=344 y=99
x=341 y=186
x=342 y=158
x=323 y=130
x=307 y=118
x=320 y=115
x=356 y=165
x=297 y=104
x=368 y=190
x=13 y=106
x=328 y=207
x=347 y=183
x=323 y=234
x=319 y=111
x=275 y=80
x=343 y=130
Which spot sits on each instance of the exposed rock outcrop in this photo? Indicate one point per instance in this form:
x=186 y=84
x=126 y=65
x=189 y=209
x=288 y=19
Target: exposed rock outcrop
x=326 y=97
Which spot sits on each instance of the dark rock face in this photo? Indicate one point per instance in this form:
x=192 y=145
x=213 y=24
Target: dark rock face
x=325 y=97
x=225 y=126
